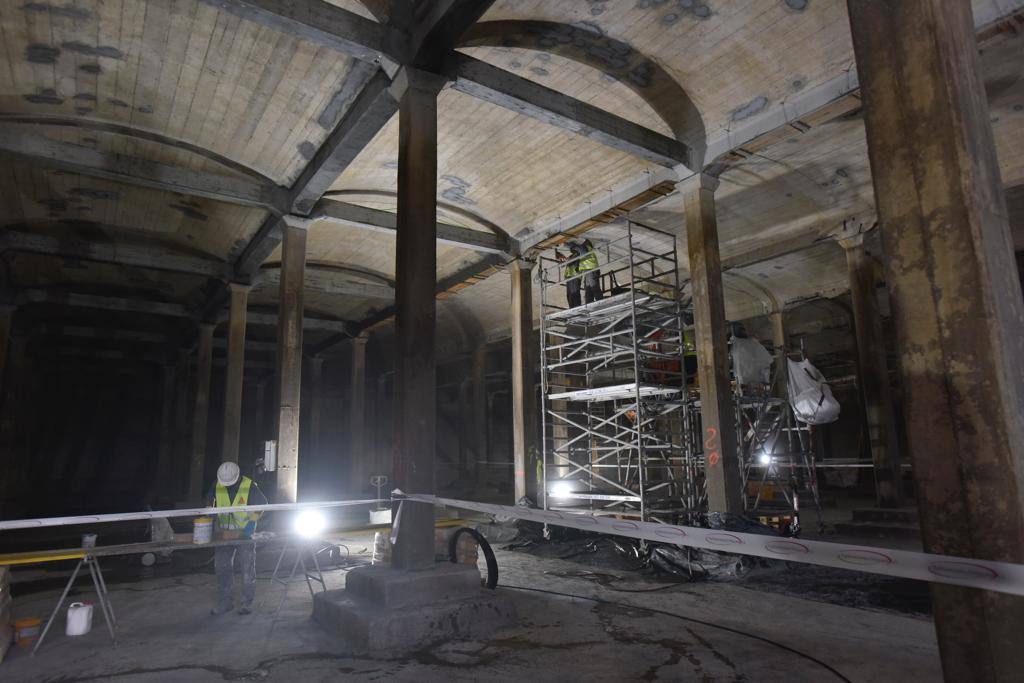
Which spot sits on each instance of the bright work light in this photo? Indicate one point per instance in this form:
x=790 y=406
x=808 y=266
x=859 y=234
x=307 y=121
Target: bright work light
x=560 y=489
x=309 y=523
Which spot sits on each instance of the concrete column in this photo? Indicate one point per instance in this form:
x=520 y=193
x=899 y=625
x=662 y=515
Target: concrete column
x=6 y=320
x=957 y=308
x=479 y=407
x=873 y=374
x=201 y=414
x=289 y=356
x=383 y=452
x=415 y=314
x=717 y=412
x=315 y=375
x=524 y=413
x=181 y=459
x=777 y=319
x=163 y=458
x=359 y=454
x=233 y=372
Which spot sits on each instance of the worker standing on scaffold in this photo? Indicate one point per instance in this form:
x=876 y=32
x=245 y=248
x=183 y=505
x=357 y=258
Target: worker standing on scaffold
x=581 y=269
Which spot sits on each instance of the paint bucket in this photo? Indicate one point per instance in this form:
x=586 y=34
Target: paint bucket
x=202 y=530
x=79 y=619
x=26 y=630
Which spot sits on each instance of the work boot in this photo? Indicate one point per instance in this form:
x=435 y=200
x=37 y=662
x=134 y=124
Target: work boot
x=220 y=609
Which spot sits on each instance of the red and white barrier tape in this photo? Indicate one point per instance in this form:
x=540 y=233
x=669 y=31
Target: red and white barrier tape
x=185 y=512
x=1003 y=577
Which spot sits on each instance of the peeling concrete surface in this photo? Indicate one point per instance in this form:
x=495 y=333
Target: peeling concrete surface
x=630 y=630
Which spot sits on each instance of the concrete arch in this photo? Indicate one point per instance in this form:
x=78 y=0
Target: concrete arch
x=587 y=44
x=138 y=133
x=451 y=208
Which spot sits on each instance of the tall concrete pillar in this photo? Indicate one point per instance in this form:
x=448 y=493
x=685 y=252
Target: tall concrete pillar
x=6 y=321
x=289 y=356
x=382 y=442
x=479 y=419
x=718 y=417
x=201 y=413
x=415 y=314
x=161 y=472
x=234 y=371
x=873 y=374
x=17 y=406
x=957 y=308
x=315 y=375
x=360 y=457
x=182 y=434
x=524 y=413
x=778 y=321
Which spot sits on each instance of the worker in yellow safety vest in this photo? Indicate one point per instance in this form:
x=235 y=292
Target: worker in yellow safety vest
x=232 y=490
x=588 y=267
x=581 y=272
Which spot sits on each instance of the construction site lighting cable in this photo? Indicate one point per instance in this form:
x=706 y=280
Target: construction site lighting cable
x=693 y=620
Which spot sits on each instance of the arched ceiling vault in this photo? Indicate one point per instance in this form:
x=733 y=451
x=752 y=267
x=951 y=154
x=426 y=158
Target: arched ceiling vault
x=612 y=57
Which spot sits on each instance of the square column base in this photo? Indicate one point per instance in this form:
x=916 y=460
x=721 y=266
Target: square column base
x=389 y=609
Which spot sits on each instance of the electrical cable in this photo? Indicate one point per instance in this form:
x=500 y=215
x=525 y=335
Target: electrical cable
x=709 y=624
x=492 y=562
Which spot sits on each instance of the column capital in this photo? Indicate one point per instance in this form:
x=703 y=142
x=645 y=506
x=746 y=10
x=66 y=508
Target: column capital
x=361 y=338
x=239 y=287
x=851 y=242
x=698 y=181
x=521 y=262
x=411 y=78
x=206 y=328
x=299 y=222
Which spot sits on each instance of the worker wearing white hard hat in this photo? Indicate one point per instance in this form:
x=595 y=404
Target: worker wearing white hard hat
x=230 y=490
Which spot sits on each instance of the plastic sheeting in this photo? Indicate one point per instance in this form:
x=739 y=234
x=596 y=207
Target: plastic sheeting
x=750 y=361
x=810 y=395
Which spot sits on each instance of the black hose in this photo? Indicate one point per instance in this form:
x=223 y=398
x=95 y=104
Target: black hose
x=492 y=563
x=695 y=621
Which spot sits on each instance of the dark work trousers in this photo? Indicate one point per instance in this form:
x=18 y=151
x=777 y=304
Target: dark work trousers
x=592 y=285
x=222 y=563
x=572 y=292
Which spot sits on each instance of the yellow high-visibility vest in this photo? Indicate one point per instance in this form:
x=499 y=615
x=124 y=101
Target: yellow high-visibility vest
x=235 y=520
x=589 y=259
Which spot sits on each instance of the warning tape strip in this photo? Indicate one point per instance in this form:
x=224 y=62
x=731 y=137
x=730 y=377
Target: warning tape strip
x=184 y=512
x=1003 y=577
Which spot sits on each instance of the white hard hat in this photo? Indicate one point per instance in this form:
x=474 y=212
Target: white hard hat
x=227 y=473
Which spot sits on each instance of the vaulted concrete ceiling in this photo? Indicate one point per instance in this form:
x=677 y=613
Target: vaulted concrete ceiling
x=147 y=125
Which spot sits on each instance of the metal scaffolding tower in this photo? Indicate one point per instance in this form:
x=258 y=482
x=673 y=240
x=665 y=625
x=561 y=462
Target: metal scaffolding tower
x=616 y=420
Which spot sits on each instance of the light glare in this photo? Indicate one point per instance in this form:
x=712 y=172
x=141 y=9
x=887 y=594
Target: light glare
x=561 y=489
x=309 y=523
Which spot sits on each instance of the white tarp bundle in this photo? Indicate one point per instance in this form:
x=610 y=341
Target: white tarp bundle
x=809 y=394
x=750 y=361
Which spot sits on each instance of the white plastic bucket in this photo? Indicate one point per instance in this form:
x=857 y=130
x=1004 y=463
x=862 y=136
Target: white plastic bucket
x=202 y=530
x=79 y=618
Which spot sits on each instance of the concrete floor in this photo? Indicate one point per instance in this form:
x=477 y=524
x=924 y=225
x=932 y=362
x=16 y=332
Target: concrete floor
x=630 y=629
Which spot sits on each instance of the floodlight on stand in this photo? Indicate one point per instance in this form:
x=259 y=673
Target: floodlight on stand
x=560 y=489
x=764 y=458
x=309 y=523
